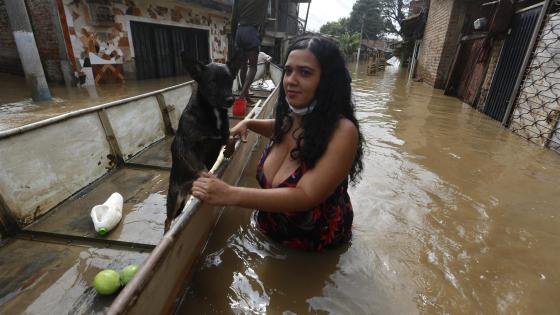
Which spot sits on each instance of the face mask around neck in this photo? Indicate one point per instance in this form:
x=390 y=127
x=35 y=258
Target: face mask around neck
x=302 y=111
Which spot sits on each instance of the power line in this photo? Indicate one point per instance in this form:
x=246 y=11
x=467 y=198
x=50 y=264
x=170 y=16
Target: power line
x=344 y=5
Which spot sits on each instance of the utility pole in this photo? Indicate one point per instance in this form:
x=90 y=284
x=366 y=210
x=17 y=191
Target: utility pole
x=360 y=46
x=27 y=50
x=306 y=16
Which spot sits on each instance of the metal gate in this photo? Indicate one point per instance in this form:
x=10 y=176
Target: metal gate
x=511 y=61
x=157 y=48
x=536 y=116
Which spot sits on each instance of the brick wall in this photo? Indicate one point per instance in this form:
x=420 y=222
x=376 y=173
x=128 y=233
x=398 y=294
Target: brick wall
x=441 y=35
x=456 y=20
x=40 y=14
x=9 y=59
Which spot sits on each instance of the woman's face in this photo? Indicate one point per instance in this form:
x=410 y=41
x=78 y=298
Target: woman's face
x=302 y=73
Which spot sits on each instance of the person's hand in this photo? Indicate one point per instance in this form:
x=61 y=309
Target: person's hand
x=239 y=131
x=212 y=190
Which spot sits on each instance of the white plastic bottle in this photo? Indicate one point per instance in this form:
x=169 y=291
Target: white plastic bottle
x=106 y=216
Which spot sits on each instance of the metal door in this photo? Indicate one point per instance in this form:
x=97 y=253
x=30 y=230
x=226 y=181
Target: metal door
x=157 y=48
x=144 y=54
x=164 y=52
x=511 y=60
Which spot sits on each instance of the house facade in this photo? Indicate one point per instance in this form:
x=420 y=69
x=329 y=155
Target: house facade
x=88 y=42
x=496 y=56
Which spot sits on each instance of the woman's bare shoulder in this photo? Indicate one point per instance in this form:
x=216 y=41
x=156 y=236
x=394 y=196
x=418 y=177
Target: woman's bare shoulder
x=346 y=126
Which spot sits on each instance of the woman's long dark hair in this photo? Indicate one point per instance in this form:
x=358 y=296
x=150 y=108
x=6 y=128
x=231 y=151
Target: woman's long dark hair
x=334 y=100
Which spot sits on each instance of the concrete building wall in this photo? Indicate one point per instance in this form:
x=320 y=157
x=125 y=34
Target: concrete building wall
x=105 y=44
x=111 y=43
x=441 y=36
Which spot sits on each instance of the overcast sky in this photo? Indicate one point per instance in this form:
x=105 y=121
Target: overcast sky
x=323 y=11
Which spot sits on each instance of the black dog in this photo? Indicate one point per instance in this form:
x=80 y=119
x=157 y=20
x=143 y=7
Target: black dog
x=203 y=129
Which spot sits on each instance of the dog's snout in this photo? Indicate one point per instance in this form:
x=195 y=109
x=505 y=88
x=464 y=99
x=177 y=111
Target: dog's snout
x=229 y=101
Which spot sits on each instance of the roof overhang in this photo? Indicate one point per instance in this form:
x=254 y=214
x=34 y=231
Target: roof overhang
x=220 y=5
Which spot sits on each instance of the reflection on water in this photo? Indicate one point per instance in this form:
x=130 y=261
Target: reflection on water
x=454 y=215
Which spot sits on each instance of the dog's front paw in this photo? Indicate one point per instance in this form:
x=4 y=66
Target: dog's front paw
x=230 y=148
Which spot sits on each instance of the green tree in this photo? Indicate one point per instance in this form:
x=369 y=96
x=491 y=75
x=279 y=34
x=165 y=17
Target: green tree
x=368 y=11
x=349 y=44
x=394 y=12
x=336 y=28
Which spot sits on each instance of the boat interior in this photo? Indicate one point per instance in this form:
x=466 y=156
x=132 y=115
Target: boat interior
x=54 y=171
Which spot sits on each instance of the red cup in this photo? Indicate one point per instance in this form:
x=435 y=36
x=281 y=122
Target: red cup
x=239 y=106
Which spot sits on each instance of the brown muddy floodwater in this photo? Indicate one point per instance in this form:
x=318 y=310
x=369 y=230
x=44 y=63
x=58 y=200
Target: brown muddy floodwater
x=18 y=109
x=454 y=215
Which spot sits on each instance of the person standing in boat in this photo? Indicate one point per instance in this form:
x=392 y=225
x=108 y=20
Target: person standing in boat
x=248 y=23
x=315 y=150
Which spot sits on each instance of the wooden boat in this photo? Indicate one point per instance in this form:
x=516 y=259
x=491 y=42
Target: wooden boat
x=54 y=171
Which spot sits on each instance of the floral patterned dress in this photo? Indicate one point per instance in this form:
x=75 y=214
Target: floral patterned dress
x=325 y=226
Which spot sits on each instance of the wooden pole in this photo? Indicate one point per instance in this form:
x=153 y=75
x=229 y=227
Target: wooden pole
x=360 y=46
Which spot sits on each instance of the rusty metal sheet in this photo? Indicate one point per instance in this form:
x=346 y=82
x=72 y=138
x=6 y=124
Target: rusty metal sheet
x=472 y=68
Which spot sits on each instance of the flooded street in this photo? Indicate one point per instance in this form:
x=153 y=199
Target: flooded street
x=18 y=109
x=454 y=215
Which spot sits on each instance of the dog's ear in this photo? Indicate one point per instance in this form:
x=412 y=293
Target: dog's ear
x=235 y=63
x=193 y=66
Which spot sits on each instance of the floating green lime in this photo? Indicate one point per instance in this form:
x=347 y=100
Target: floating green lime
x=128 y=272
x=107 y=282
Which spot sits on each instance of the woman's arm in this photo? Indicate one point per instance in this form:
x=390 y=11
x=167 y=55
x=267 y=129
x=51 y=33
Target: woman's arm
x=313 y=188
x=264 y=127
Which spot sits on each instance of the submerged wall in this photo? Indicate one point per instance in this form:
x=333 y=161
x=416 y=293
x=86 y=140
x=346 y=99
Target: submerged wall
x=443 y=28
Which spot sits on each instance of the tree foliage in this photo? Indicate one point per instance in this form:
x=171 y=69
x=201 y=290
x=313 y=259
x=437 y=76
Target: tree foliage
x=380 y=17
x=394 y=12
x=368 y=11
x=336 y=28
x=349 y=43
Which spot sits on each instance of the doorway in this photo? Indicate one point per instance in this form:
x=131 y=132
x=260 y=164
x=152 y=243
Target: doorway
x=157 y=48
x=515 y=48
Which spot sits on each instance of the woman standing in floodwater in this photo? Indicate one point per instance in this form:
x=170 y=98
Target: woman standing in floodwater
x=315 y=150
